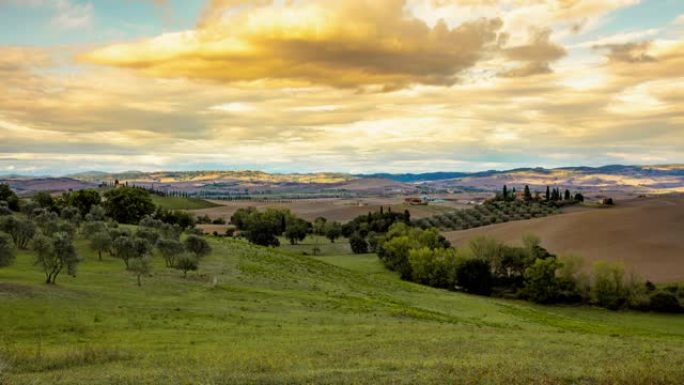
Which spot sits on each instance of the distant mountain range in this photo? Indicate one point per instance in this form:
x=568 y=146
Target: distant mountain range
x=663 y=170
x=634 y=180
x=186 y=176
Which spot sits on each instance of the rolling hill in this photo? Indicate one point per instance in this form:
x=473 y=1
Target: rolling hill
x=646 y=234
x=256 y=315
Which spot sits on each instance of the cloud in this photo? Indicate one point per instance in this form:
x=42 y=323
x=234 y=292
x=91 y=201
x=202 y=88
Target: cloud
x=67 y=14
x=277 y=87
x=628 y=52
x=345 y=44
x=72 y=15
x=535 y=56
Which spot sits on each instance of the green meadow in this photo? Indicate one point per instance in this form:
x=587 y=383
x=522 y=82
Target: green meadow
x=181 y=203
x=252 y=315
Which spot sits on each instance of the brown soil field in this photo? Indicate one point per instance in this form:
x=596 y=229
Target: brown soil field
x=333 y=209
x=646 y=234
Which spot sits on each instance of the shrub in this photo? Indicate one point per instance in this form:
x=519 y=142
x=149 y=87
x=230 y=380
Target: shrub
x=358 y=244
x=474 y=276
x=665 y=302
x=541 y=285
x=608 y=288
x=434 y=267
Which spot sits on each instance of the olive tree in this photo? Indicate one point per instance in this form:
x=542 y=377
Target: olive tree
x=197 y=246
x=170 y=249
x=21 y=230
x=100 y=242
x=53 y=254
x=127 y=248
x=140 y=266
x=6 y=250
x=186 y=262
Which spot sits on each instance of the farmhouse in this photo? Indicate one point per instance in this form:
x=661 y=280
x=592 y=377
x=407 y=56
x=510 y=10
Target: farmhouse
x=415 y=201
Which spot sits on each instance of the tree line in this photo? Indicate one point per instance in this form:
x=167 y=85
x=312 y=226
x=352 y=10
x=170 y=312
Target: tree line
x=488 y=267
x=47 y=226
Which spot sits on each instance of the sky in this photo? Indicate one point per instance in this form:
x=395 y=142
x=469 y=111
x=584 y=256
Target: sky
x=356 y=86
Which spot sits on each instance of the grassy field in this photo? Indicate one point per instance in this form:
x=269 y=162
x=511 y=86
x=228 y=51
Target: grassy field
x=180 y=203
x=255 y=315
x=306 y=247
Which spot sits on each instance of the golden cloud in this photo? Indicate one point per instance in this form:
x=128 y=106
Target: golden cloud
x=345 y=44
x=536 y=56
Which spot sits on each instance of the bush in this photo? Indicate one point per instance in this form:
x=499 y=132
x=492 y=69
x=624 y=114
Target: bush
x=358 y=244
x=541 y=285
x=434 y=267
x=608 y=288
x=665 y=302
x=475 y=276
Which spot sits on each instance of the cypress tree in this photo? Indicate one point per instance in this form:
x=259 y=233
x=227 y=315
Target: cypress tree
x=528 y=195
x=548 y=193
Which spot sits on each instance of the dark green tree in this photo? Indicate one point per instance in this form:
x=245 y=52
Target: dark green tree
x=128 y=205
x=84 y=200
x=528 y=194
x=475 y=276
x=296 y=230
x=358 y=244
x=333 y=230
x=319 y=226
x=44 y=200
x=541 y=284
x=7 y=195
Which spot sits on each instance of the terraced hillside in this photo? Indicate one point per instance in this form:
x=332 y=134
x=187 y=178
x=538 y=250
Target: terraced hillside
x=255 y=315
